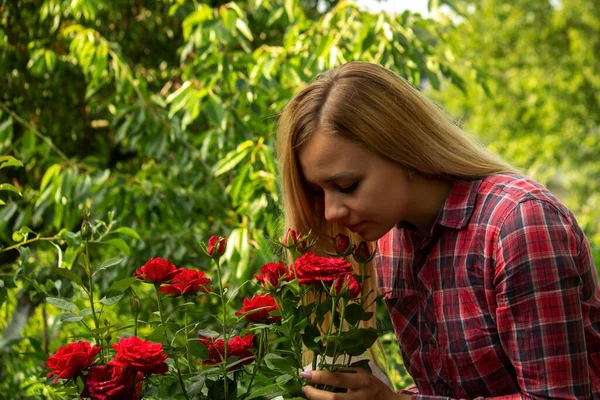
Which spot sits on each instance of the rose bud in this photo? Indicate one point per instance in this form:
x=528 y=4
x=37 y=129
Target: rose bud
x=134 y=303
x=362 y=254
x=342 y=245
x=297 y=241
x=291 y=238
x=216 y=246
x=346 y=285
x=271 y=273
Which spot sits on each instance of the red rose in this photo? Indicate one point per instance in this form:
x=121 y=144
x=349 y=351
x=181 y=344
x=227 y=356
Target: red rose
x=156 y=270
x=263 y=304
x=349 y=283
x=140 y=355
x=112 y=383
x=70 y=360
x=342 y=245
x=313 y=269
x=362 y=254
x=216 y=246
x=186 y=281
x=271 y=273
x=239 y=347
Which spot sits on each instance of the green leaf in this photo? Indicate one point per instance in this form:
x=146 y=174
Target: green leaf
x=197 y=384
x=289 y=9
x=107 y=264
x=312 y=338
x=9 y=161
x=216 y=389
x=279 y=364
x=209 y=333
x=355 y=313
x=69 y=317
x=157 y=335
x=233 y=158
x=119 y=244
x=68 y=274
x=112 y=298
x=123 y=284
x=62 y=304
x=268 y=392
x=10 y=188
x=243 y=28
x=48 y=175
x=60 y=254
x=197 y=349
x=128 y=232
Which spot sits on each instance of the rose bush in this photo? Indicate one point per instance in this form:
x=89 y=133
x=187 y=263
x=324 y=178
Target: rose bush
x=317 y=303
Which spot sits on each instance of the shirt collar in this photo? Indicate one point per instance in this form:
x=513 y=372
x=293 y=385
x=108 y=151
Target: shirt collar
x=459 y=204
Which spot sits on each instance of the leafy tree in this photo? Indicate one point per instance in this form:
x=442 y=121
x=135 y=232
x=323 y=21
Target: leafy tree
x=159 y=117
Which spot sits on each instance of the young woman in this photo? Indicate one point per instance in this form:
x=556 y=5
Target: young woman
x=488 y=278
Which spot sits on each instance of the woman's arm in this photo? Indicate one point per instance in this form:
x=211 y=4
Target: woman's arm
x=544 y=274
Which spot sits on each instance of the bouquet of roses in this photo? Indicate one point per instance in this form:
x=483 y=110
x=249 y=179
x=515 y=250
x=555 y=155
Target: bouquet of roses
x=315 y=305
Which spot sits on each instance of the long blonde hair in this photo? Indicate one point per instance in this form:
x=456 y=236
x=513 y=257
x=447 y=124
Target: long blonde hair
x=373 y=106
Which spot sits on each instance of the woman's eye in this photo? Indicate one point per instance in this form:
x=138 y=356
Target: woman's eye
x=348 y=189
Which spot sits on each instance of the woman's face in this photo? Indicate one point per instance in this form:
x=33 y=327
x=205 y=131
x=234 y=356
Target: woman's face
x=358 y=188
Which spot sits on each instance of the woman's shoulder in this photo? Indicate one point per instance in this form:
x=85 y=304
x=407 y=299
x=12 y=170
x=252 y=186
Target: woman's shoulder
x=501 y=194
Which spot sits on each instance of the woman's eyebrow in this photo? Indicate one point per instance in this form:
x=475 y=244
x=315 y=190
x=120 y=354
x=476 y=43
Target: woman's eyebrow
x=337 y=176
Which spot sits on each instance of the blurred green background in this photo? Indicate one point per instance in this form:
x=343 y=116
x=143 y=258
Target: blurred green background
x=160 y=117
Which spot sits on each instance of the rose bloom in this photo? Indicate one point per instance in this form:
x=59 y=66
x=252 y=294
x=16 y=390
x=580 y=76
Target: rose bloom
x=216 y=246
x=140 y=355
x=237 y=346
x=264 y=304
x=313 y=269
x=156 y=270
x=112 y=383
x=186 y=281
x=271 y=273
x=71 y=359
x=351 y=284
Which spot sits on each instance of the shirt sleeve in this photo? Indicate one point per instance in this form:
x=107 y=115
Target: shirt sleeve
x=538 y=283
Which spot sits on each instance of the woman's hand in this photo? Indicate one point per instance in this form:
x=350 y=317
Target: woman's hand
x=361 y=385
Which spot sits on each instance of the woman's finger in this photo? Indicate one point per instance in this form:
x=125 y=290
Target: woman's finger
x=352 y=379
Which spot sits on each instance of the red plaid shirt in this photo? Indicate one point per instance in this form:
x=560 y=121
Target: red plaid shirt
x=501 y=300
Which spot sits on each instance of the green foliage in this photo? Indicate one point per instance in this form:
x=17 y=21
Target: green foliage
x=159 y=117
x=539 y=107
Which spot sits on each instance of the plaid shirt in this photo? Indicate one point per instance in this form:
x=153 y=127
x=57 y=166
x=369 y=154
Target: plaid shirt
x=500 y=300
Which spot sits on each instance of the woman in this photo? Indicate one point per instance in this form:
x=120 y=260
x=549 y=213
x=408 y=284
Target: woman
x=488 y=278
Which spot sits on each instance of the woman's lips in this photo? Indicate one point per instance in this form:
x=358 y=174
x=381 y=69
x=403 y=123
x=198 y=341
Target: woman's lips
x=356 y=227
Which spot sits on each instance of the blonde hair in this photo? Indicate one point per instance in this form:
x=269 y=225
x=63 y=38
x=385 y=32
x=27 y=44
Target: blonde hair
x=373 y=106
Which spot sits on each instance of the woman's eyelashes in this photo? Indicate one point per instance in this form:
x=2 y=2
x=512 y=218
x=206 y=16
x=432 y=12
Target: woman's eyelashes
x=348 y=189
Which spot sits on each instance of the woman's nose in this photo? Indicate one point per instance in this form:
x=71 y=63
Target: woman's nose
x=335 y=210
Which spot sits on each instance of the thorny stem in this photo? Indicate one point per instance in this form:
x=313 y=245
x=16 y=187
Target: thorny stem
x=259 y=359
x=162 y=320
x=225 y=344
